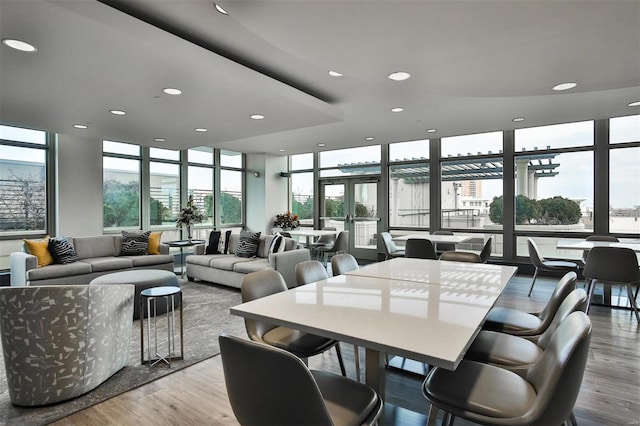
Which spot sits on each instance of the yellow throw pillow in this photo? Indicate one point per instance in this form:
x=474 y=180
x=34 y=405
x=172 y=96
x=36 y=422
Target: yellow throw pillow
x=154 y=242
x=39 y=248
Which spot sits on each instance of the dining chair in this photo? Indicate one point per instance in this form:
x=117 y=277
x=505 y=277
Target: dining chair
x=310 y=271
x=541 y=264
x=389 y=247
x=485 y=253
x=544 y=394
x=602 y=238
x=264 y=283
x=519 y=323
x=442 y=247
x=270 y=386
x=518 y=353
x=322 y=240
x=419 y=248
x=340 y=245
x=461 y=256
x=613 y=265
x=341 y=263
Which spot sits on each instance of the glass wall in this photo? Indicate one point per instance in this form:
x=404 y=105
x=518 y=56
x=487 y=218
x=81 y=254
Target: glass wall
x=301 y=187
x=231 y=188
x=409 y=184
x=200 y=181
x=624 y=175
x=121 y=185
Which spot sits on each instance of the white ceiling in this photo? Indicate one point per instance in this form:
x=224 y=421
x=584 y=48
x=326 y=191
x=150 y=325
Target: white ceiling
x=475 y=65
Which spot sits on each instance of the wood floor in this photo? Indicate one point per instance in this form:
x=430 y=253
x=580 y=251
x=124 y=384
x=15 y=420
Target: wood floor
x=610 y=393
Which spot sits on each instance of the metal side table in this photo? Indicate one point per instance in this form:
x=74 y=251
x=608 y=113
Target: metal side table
x=150 y=297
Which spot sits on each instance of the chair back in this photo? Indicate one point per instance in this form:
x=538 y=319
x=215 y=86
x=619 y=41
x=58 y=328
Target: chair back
x=388 y=245
x=461 y=256
x=419 y=248
x=534 y=254
x=270 y=386
x=254 y=286
x=342 y=242
x=608 y=238
x=486 y=250
x=342 y=263
x=442 y=247
x=575 y=301
x=612 y=265
x=557 y=375
x=565 y=286
x=310 y=271
x=326 y=239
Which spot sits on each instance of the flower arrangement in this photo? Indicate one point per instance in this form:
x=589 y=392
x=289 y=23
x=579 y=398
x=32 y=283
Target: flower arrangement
x=286 y=220
x=189 y=214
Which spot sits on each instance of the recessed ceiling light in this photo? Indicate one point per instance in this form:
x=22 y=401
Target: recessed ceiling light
x=159 y=139
x=200 y=129
x=282 y=150
x=397 y=109
x=518 y=119
x=432 y=130
x=19 y=45
x=220 y=8
x=80 y=126
x=369 y=138
x=636 y=103
x=172 y=91
x=118 y=112
x=257 y=117
x=335 y=74
x=322 y=145
x=564 y=86
x=399 y=76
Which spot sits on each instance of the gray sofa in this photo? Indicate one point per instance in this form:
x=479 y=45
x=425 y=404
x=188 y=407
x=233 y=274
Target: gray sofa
x=228 y=269
x=97 y=255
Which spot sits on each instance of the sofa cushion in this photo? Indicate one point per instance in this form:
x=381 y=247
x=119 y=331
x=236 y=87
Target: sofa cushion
x=233 y=239
x=134 y=243
x=101 y=264
x=154 y=242
x=214 y=242
x=151 y=259
x=203 y=259
x=57 y=271
x=97 y=246
x=252 y=266
x=248 y=244
x=62 y=250
x=275 y=244
x=290 y=244
x=227 y=262
x=40 y=249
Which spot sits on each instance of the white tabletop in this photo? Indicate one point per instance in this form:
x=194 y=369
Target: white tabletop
x=451 y=239
x=305 y=232
x=568 y=244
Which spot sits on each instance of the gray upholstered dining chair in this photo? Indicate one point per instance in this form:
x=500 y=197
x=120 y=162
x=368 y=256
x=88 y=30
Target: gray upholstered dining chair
x=340 y=245
x=341 y=263
x=519 y=323
x=270 y=386
x=322 y=240
x=518 y=353
x=485 y=253
x=541 y=264
x=613 y=265
x=310 y=271
x=62 y=341
x=389 y=247
x=602 y=238
x=420 y=248
x=544 y=394
x=461 y=256
x=264 y=283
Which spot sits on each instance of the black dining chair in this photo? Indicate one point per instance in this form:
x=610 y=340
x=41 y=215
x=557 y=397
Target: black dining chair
x=419 y=248
x=541 y=264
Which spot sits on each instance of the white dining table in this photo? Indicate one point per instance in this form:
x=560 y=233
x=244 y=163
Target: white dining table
x=569 y=244
x=431 y=321
x=451 y=239
x=311 y=234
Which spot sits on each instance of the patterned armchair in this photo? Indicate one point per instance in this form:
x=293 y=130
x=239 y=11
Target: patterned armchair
x=60 y=342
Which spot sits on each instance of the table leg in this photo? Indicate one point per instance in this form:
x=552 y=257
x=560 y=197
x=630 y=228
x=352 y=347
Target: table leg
x=375 y=371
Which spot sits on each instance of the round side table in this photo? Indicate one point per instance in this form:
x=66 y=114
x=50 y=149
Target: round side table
x=150 y=296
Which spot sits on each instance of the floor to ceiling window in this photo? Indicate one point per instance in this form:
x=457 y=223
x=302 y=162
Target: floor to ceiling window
x=164 y=186
x=624 y=175
x=121 y=164
x=231 y=188
x=200 y=181
x=301 y=187
x=409 y=183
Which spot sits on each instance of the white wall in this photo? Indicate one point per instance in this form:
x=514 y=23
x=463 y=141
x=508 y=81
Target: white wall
x=79 y=186
x=267 y=195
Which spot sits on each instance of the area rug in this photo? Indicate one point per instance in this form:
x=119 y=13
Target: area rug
x=206 y=315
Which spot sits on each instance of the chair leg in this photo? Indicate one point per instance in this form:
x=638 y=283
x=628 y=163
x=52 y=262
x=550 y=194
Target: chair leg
x=632 y=300
x=356 y=355
x=592 y=286
x=535 y=275
x=572 y=419
x=433 y=414
x=340 y=361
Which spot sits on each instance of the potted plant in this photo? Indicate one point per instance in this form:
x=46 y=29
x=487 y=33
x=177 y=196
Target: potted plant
x=286 y=221
x=189 y=215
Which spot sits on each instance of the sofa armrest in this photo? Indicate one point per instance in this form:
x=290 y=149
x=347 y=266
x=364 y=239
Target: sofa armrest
x=199 y=248
x=163 y=248
x=285 y=263
x=21 y=263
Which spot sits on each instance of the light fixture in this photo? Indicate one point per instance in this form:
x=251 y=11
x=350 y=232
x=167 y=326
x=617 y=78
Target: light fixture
x=200 y=129
x=19 y=45
x=118 y=112
x=256 y=174
x=397 y=109
x=634 y=104
x=282 y=150
x=369 y=138
x=220 y=8
x=432 y=130
x=322 y=145
x=159 y=139
x=518 y=119
x=80 y=126
x=335 y=73
x=399 y=76
x=172 y=91
x=257 y=116
x=564 y=86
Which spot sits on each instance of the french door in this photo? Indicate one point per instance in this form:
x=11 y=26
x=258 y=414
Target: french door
x=352 y=205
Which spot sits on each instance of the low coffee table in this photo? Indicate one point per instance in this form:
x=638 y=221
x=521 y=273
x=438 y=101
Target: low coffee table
x=150 y=296
x=142 y=279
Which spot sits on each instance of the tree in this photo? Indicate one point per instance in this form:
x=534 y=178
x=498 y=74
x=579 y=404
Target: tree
x=231 y=208
x=559 y=211
x=121 y=204
x=303 y=210
x=526 y=210
x=333 y=208
x=22 y=203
